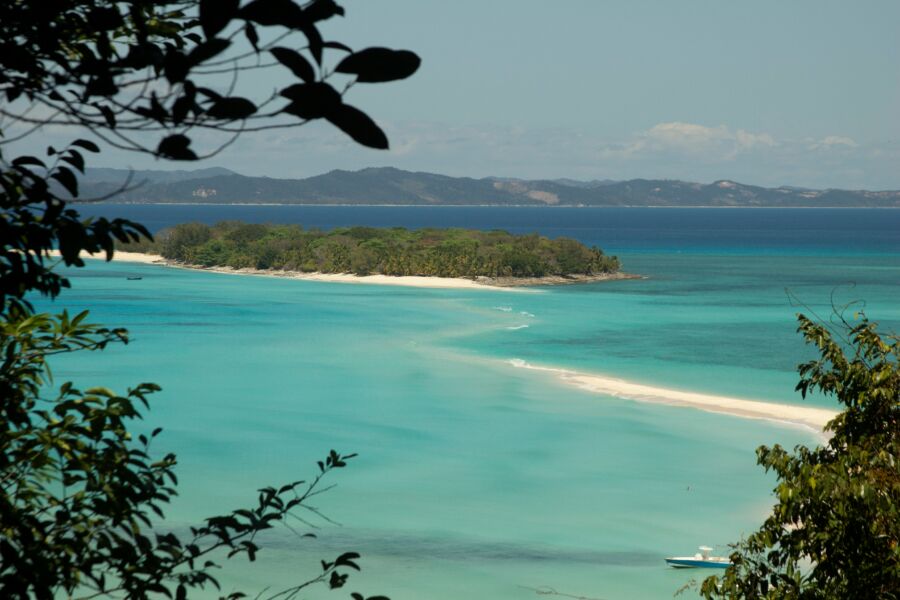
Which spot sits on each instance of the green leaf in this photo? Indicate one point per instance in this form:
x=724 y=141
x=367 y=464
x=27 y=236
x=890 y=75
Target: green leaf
x=337 y=580
x=295 y=62
x=274 y=12
x=109 y=116
x=320 y=10
x=337 y=46
x=75 y=159
x=376 y=65
x=65 y=177
x=208 y=50
x=216 y=14
x=101 y=391
x=358 y=126
x=181 y=107
x=252 y=36
x=176 y=66
x=314 y=38
x=28 y=160
x=232 y=108
x=311 y=100
x=176 y=147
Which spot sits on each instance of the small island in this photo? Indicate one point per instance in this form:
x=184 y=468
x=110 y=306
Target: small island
x=495 y=258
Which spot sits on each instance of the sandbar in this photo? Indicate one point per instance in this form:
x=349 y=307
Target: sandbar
x=811 y=417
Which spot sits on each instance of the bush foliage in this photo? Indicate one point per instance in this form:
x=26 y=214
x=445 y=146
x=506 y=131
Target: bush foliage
x=835 y=529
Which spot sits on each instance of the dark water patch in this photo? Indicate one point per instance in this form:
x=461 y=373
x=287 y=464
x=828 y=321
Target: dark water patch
x=107 y=273
x=724 y=302
x=408 y=546
x=724 y=344
x=116 y=296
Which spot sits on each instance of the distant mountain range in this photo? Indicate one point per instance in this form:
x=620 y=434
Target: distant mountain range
x=389 y=186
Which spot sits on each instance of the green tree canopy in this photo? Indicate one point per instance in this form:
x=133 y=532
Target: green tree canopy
x=367 y=250
x=835 y=529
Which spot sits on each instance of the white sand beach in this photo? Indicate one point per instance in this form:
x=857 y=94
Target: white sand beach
x=134 y=257
x=407 y=281
x=808 y=416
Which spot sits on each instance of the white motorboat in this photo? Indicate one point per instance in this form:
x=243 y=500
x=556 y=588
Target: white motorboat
x=701 y=560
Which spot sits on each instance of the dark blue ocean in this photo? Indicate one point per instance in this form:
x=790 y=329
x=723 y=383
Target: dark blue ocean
x=618 y=230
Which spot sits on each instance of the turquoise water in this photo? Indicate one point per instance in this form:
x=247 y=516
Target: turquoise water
x=477 y=479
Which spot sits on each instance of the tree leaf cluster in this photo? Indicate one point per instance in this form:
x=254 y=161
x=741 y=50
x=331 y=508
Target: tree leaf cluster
x=368 y=250
x=136 y=69
x=834 y=531
x=81 y=500
x=34 y=221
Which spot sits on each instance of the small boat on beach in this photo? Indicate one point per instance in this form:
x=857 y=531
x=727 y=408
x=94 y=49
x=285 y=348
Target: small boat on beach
x=701 y=560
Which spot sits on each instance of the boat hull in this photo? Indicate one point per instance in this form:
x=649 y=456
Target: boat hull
x=697 y=563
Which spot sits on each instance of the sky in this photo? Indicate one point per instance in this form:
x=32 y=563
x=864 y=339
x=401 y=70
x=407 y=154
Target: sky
x=799 y=92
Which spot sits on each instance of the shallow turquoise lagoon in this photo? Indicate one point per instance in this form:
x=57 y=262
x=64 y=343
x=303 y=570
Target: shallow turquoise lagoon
x=475 y=479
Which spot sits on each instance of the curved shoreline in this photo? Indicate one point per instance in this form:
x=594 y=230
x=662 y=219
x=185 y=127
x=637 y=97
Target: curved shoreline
x=506 y=284
x=806 y=416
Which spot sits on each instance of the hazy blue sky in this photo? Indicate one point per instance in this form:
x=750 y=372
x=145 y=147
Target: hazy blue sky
x=799 y=92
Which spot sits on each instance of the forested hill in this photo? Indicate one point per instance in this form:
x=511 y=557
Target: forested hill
x=369 y=250
x=392 y=186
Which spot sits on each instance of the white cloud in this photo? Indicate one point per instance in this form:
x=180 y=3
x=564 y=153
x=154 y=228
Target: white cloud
x=833 y=142
x=666 y=150
x=691 y=139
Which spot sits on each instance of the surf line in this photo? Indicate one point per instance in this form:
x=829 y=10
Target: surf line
x=808 y=416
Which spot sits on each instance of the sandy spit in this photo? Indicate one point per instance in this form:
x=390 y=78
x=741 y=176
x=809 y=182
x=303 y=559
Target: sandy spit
x=807 y=416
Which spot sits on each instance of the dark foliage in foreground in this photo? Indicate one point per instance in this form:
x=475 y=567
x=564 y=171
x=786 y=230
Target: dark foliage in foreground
x=366 y=250
x=81 y=500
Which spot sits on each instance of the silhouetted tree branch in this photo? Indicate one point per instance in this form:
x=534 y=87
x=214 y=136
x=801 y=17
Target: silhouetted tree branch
x=78 y=495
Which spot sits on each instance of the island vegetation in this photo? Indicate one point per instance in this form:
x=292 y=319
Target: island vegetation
x=386 y=251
